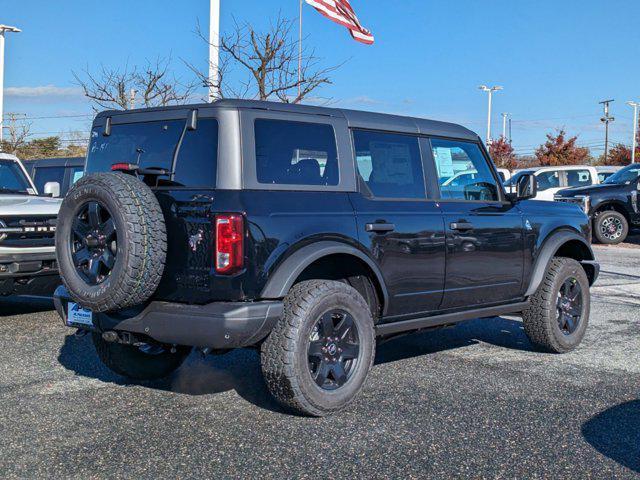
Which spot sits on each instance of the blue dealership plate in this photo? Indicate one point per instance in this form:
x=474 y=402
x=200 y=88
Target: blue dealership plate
x=78 y=316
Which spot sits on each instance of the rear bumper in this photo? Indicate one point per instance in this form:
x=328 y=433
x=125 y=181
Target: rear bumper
x=219 y=325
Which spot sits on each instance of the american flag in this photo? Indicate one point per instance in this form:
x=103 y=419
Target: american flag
x=340 y=11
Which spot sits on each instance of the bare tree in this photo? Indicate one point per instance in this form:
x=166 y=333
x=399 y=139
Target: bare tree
x=149 y=86
x=269 y=64
x=18 y=134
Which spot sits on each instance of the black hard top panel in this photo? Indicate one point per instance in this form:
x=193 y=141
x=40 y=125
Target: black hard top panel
x=354 y=118
x=55 y=162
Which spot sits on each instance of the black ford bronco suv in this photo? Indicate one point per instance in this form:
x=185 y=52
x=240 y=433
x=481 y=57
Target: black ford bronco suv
x=613 y=206
x=308 y=233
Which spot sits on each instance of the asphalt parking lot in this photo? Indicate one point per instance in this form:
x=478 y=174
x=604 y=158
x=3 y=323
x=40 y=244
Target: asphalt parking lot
x=470 y=401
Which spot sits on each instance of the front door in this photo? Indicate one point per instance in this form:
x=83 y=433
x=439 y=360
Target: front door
x=400 y=226
x=485 y=246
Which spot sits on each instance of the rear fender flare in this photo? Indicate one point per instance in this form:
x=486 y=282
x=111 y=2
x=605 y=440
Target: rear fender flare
x=283 y=278
x=549 y=249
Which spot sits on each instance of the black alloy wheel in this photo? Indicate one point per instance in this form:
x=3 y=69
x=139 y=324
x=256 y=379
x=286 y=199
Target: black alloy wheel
x=334 y=349
x=569 y=306
x=94 y=243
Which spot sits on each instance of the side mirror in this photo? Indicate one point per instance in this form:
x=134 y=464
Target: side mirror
x=52 y=189
x=526 y=187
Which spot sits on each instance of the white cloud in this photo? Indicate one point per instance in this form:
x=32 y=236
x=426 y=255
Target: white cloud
x=45 y=91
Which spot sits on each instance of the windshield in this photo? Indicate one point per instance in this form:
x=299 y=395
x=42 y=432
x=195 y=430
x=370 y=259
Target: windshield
x=12 y=178
x=148 y=144
x=513 y=180
x=626 y=175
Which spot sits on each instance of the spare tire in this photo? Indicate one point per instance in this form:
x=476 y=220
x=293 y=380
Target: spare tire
x=111 y=242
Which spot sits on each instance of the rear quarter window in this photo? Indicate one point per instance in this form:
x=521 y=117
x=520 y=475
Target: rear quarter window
x=295 y=153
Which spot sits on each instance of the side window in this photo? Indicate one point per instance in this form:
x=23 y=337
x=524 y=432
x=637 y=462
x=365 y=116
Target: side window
x=44 y=175
x=390 y=164
x=296 y=153
x=602 y=176
x=197 y=161
x=463 y=171
x=547 y=180
x=578 y=178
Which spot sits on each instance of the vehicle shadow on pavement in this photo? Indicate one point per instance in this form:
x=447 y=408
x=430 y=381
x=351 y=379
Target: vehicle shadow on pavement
x=615 y=433
x=238 y=370
x=11 y=306
x=498 y=331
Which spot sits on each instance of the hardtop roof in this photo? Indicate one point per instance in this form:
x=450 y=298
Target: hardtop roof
x=354 y=118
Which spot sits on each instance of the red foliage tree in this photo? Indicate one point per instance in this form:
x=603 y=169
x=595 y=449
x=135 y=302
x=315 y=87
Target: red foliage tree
x=502 y=154
x=620 y=155
x=560 y=150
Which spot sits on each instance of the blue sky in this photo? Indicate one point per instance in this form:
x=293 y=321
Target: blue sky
x=555 y=59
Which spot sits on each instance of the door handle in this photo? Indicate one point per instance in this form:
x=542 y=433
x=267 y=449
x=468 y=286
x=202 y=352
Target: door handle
x=380 y=227
x=461 y=226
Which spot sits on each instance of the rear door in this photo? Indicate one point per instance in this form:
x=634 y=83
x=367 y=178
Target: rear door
x=398 y=221
x=484 y=233
x=550 y=182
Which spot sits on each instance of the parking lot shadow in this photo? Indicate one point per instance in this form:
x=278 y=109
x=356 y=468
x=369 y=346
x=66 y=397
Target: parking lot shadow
x=498 y=331
x=11 y=306
x=238 y=370
x=615 y=433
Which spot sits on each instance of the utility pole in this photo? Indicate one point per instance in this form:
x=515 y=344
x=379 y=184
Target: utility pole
x=634 y=143
x=510 y=137
x=505 y=116
x=3 y=29
x=214 y=50
x=606 y=119
x=490 y=91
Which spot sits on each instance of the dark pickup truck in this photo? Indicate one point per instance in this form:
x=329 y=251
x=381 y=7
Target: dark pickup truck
x=308 y=233
x=613 y=206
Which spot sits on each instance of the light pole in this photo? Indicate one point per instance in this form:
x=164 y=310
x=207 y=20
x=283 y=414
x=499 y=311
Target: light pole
x=634 y=144
x=3 y=29
x=505 y=116
x=606 y=119
x=214 y=50
x=490 y=91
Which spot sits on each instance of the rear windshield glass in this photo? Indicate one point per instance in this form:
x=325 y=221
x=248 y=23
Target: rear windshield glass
x=154 y=145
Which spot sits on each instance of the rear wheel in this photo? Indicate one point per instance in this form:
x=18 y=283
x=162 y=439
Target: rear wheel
x=317 y=357
x=610 y=227
x=144 y=362
x=558 y=314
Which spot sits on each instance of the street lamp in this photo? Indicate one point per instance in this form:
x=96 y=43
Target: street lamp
x=3 y=29
x=490 y=91
x=635 y=106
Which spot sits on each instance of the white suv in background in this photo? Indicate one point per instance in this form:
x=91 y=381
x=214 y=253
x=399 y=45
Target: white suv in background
x=27 y=230
x=553 y=179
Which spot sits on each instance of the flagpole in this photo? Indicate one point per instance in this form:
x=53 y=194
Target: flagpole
x=214 y=50
x=300 y=53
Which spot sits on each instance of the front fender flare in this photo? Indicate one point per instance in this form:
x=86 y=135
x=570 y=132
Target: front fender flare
x=283 y=278
x=549 y=250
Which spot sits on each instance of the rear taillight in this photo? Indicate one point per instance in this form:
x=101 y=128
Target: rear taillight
x=229 y=243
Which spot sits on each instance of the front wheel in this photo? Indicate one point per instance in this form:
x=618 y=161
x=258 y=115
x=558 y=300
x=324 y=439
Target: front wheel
x=318 y=355
x=610 y=227
x=558 y=313
x=146 y=362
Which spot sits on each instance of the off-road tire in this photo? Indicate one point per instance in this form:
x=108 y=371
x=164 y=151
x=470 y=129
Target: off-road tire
x=284 y=353
x=131 y=362
x=141 y=246
x=541 y=317
x=601 y=217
